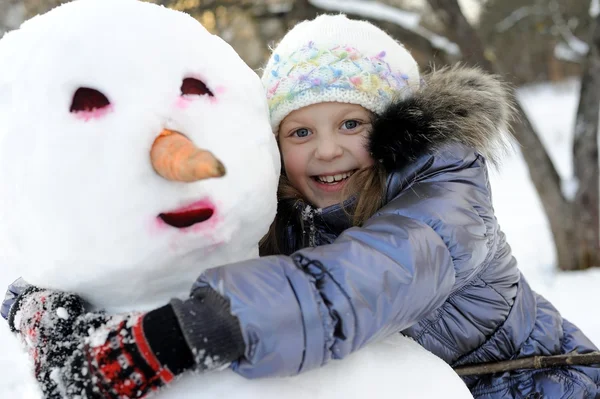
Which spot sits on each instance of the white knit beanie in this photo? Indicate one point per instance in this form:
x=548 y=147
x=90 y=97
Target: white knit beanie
x=336 y=59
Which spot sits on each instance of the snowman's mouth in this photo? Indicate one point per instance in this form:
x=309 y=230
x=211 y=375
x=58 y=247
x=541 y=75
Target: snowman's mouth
x=185 y=219
x=189 y=215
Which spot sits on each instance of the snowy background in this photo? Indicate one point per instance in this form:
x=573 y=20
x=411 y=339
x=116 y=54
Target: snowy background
x=552 y=110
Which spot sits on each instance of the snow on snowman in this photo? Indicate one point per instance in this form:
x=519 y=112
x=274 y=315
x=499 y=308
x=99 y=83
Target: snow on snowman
x=99 y=101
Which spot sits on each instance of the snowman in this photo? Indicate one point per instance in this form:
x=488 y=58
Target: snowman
x=97 y=99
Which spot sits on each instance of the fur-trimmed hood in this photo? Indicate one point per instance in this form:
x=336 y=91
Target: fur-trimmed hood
x=454 y=105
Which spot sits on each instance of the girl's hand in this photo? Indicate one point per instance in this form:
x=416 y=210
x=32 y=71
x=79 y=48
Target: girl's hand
x=135 y=354
x=114 y=360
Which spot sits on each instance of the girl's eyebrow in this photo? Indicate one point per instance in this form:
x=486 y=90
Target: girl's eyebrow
x=291 y=124
x=290 y=121
x=299 y=121
x=354 y=113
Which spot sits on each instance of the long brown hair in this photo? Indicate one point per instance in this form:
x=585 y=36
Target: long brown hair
x=367 y=184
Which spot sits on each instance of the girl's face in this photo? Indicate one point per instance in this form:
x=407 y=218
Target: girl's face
x=322 y=145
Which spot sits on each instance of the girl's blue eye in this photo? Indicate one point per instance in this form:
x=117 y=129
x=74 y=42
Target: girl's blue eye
x=351 y=124
x=303 y=132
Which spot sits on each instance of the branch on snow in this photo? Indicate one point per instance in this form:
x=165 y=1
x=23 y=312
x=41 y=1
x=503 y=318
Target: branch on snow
x=535 y=362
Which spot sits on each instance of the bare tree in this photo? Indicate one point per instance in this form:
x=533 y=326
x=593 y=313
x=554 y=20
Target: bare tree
x=574 y=223
x=585 y=159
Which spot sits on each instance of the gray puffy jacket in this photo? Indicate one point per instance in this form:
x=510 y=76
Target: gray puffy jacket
x=432 y=263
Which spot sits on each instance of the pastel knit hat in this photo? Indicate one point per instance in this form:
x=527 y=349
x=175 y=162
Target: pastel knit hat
x=335 y=59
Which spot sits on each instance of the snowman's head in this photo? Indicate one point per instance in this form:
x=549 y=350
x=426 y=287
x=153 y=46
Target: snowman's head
x=85 y=90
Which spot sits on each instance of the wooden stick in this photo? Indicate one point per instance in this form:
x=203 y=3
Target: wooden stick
x=535 y=362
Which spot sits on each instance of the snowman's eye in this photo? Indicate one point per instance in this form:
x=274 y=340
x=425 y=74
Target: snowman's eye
x=88 y=100
x=191 y=86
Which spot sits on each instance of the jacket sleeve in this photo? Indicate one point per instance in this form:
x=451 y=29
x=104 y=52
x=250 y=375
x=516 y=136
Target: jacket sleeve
x=15 y=289
x=298 y=312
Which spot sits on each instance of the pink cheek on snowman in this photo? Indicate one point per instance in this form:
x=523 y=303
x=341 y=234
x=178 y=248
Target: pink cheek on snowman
x=183 y=102
x=93 y=114
x=219 y=90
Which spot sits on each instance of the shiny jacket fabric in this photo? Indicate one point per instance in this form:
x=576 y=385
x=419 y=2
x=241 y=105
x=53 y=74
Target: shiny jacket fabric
x=432 y=262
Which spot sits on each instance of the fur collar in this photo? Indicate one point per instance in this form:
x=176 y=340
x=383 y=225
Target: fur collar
x=454 y=105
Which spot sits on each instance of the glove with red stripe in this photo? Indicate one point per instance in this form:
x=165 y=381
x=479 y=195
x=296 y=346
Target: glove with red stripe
x=133 y=355
x=128 y=356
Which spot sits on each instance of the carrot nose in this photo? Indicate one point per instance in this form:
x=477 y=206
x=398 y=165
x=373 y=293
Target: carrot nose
x=176 y=158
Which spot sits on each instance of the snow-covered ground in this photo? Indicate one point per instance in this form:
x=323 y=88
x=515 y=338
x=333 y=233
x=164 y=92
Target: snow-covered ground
x=552 y=109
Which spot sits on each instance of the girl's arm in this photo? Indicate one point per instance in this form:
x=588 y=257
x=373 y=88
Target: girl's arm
x=298 y=312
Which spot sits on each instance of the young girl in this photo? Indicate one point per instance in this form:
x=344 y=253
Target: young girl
x=385 y=225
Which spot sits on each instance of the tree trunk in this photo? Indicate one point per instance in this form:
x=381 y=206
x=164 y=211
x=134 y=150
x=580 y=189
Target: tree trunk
x=462 y=32
x=542 y=171
x=585 y=160
x=547 y=183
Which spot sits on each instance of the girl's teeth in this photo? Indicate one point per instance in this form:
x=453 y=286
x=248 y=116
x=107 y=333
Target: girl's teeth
x=334 y=178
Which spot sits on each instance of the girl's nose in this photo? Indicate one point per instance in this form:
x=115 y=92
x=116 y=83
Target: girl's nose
x=328 y=149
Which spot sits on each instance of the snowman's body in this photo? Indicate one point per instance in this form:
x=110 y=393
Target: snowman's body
x=80 y=201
